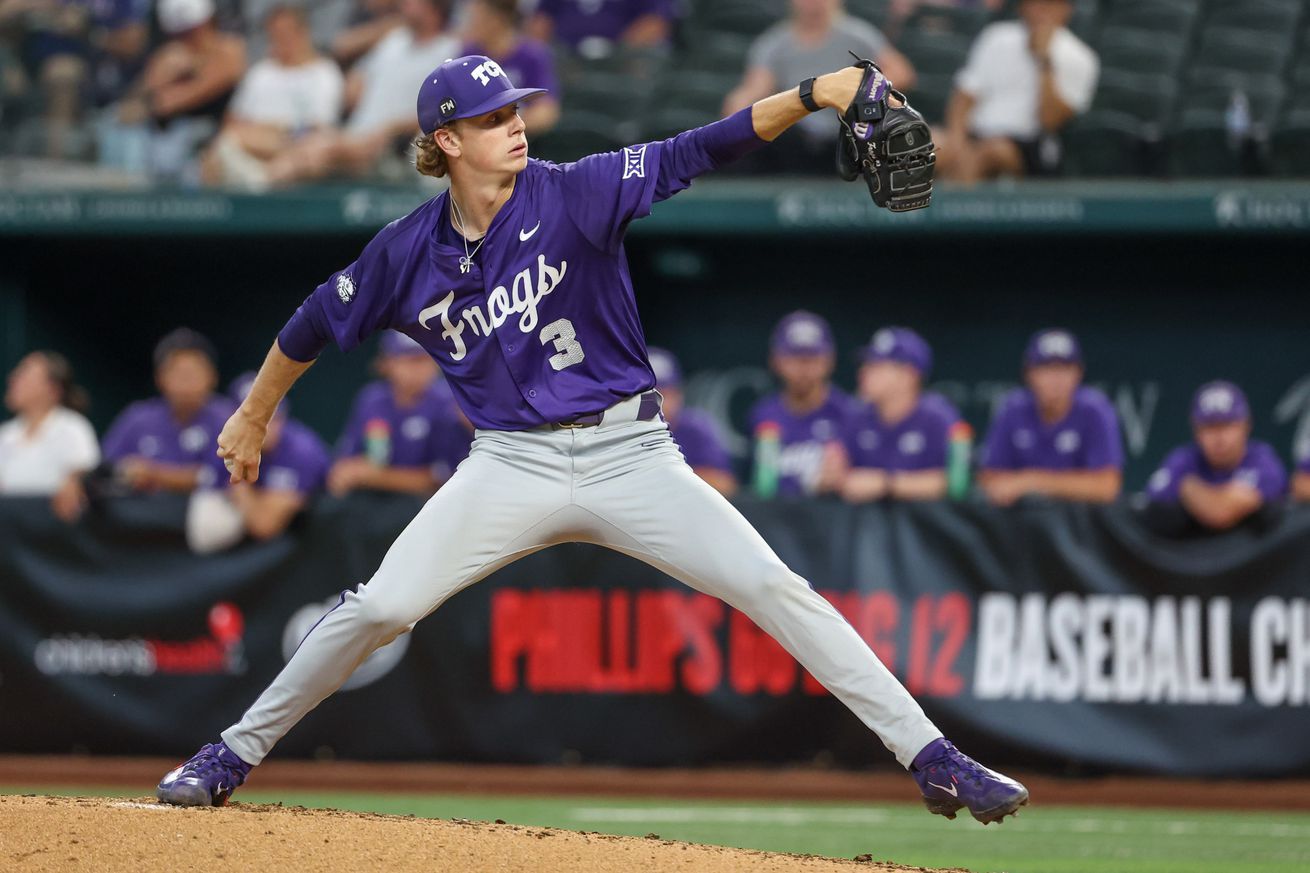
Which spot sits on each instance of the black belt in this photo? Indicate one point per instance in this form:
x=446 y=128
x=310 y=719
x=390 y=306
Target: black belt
x=647 y=410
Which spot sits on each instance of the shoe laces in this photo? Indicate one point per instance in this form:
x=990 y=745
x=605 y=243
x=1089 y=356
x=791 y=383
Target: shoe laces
x=961 y=765
x=210 y=760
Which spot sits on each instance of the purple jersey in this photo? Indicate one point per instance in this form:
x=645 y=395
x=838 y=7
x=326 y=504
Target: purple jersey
x=298 y=463
x=1260 y=468
x=918 y=442
x=424 y=434
x=543 y=327
x=1087 y=438
x=699 y=439
x=577 y=20
x=147 y=429
x=529 y=65
x=804 y=438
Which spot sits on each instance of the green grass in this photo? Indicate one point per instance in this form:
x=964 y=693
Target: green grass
x=1062 y=839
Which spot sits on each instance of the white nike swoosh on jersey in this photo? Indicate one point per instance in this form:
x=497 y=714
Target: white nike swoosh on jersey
x=525 y=235
x=952 y=791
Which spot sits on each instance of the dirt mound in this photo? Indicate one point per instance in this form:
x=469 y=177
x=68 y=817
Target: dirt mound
x=113 y=835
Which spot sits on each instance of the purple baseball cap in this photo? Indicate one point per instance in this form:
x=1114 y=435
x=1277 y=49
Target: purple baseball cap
x=900 y=344
x=667 y=372
x=802 y=333
x=1219 y=402
x=395 y=344
x=240 y=389
x=465 y=87
x=1052 y=346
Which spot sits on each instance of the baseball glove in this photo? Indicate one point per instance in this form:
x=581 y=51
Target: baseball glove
x=891 y=146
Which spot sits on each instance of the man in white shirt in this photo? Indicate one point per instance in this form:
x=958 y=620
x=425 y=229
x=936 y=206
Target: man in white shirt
x=291 y=93
x=380 y=95
x=1023 y=81
x=48 y=445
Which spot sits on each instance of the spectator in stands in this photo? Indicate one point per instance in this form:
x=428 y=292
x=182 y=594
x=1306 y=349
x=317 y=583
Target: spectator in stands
x=1022 y=83
x=1223 y=477
x=693 y=430
x=592 y=28
x=1056 y=437
x=181 y=98
x=493 y=29
x=810 y=415
x=379 y=92
x=370 y=22
x=48 y=444
x=403 y=433
x=293 y=465
x=897 y=444
x=79 y=51
x=817 y=36
x=326 y=20
x=290 y=94
x=168 y=443
x=1301 y=481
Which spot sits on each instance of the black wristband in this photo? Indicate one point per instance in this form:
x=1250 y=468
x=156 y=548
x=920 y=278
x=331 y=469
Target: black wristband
x=807 y=95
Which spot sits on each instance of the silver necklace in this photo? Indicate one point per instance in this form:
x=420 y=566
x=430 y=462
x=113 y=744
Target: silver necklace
x=465 y=262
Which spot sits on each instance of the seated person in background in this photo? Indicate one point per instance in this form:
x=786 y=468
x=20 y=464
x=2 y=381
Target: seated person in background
x=293 y=92
x=692 y=429
x=897 y=444
x=1224 y=476
x=326 y=20
x=818 y=35
x=379 y=92
x=1023 y=81
x=168 y=443
x=370 y=21
x=293 y=465
x=403 y=434
x=48 y=444
x=493 y=29
x=1301 y=481
x=183 y=93
x=1056 y=437
x=810 y=415
x=593 y=27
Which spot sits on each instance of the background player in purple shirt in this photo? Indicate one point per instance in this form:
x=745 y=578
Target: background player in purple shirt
x=896 y=445
x=590 y=27
x=516 y=282
x=295 y=465
x=494 y=28
x=404 y=433
x=1224 y=476
x=811 y=414
x=1301 y=480
x=1056 y=437
x=693 y=430
x=165 y=444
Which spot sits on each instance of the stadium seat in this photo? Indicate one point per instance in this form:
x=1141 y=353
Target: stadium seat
x=672 y=120
x=579 y=133
x=1271 y=16
x=716 y=51
x=692 y=89
x=963 y=20
x=1289 y=147
x=935 y=52
x=1224 y=54
x=604 y=93
x=1148 y=97
x=738 y=16
x=1199 y=140
x=1141 y=51
x=873 y=11
x=1168 y=16
x=931 y=93
x=1105 y=142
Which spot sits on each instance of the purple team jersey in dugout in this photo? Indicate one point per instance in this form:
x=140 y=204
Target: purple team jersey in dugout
x=147 y=429
x=299 y=462
x=1260 y=468
x=544 y=327
x=696 y=435
x=917 y=442
x=1087 y=438
x=804 y=438
x=576 y=20
x=425 y=434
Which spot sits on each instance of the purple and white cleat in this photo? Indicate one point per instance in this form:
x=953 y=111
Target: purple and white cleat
x=950 y=779
x=208 y=779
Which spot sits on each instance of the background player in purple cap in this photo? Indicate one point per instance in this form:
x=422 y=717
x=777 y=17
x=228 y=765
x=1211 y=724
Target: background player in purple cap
x=404 y=433
x=1223 y=476
x=810 y=414
x=592 y=27
x=693 y=430
x=493 y=28
x=897 y=444
x=165 y=444
x=516 y=282
x=1055 y=437
x=294 y=465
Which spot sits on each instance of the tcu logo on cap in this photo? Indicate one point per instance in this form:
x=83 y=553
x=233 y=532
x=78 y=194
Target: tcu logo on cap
x=1218 y=400
x=1056 y=345
x=486 y=71
x=884 y=341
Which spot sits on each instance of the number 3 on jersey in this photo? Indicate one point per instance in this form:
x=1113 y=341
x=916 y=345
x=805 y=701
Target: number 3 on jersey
x=566 y=343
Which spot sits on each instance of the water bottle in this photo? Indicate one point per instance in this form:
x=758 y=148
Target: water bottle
x=959 y=450
x=377 y=442
x=1237 y=120
x=768 y=454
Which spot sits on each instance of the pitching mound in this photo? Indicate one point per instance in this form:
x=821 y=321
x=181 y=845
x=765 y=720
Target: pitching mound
x=113 y=835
